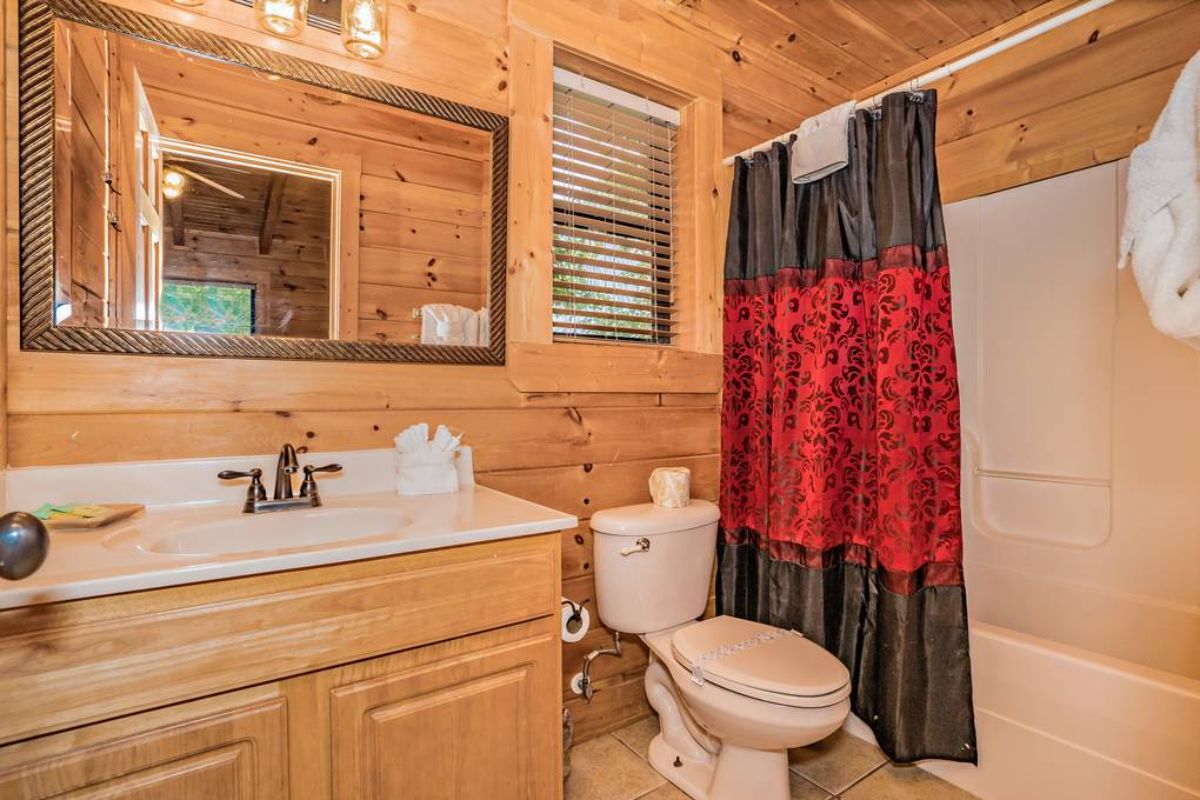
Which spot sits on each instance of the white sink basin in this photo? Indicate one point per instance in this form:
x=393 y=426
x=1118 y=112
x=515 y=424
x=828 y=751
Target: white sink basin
x=275 y=532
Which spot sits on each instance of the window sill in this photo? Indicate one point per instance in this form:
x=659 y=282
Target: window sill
x=605 y=367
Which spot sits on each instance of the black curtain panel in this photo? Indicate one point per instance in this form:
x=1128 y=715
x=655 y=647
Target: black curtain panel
x=840 y=467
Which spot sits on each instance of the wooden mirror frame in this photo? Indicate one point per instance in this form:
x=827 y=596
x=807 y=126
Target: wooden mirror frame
x=36 y=171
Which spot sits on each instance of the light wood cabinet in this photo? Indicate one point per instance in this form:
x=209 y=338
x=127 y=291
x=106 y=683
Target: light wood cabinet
x=447 y=705
x=232 y=749
x=466 y=727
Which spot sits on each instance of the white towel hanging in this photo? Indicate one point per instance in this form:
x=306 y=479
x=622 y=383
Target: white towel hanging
x=1161 y=236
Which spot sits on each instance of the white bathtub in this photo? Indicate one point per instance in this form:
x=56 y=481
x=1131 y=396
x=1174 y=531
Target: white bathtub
x=1058 y=723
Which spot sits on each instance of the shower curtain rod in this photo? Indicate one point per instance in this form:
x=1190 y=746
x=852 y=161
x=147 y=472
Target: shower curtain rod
x=945 y=71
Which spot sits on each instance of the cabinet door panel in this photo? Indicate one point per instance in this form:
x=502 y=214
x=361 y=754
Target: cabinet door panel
x=476 y=727
x=236 y=753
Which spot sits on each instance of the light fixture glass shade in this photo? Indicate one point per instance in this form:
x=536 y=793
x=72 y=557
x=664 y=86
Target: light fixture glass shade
x=282 y=17
x=364 y=27
x=172 y=183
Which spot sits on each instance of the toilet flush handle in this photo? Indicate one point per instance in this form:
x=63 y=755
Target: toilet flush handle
x=640 y=546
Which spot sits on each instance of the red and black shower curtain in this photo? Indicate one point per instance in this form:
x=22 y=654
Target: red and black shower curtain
x=840 y=428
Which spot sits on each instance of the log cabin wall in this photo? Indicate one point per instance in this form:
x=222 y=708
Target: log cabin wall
x=579 y=427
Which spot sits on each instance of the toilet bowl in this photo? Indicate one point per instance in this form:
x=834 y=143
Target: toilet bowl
x=732 y=695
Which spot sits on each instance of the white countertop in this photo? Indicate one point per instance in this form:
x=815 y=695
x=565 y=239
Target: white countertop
x=111 y=561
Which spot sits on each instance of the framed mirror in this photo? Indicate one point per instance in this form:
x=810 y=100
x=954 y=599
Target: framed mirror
x=185 y=194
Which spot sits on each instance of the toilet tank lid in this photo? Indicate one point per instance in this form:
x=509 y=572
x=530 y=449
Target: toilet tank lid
x=648 y=519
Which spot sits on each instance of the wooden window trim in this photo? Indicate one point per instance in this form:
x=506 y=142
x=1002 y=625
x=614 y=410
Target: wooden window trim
x=536 y=363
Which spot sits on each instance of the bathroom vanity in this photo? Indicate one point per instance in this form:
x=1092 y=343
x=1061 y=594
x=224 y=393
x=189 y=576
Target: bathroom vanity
x=421 y=662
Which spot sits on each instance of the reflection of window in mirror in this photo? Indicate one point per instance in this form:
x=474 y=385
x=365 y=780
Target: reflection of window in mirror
x=208 y=307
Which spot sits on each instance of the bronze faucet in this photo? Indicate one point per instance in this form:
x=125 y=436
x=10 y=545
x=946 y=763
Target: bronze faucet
x=285 y=468
x=283 y=498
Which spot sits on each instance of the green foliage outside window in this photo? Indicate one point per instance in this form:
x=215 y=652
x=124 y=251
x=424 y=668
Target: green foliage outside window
x=207 y=307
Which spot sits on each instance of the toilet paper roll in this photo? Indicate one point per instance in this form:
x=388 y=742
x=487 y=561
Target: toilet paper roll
x=571 y=633
x=671 y=487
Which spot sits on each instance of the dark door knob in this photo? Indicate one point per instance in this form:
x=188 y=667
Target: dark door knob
x=24 y=543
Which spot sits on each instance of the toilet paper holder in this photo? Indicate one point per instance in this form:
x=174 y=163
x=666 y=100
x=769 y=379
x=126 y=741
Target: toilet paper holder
x=575 y=621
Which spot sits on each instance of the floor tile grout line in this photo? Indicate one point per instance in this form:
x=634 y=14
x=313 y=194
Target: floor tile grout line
x=834 y=794
x=629 y=747
x=813 y=783
x=870 y=772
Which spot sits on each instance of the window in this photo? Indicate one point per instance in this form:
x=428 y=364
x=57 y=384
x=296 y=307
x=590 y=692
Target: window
x=207 y=307
x=613 y=191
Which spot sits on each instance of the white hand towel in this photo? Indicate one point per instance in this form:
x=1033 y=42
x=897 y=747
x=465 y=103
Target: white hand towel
x=1161 y=235
x=820 y=147
x=426 y=466
x=446 y=323
x=483 y=319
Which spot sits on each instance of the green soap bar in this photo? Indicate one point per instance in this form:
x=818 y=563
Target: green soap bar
x=82 y=510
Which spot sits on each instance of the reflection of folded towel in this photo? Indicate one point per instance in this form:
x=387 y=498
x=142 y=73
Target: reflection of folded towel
x=445 y=323
x=820 y=147
x=485 y=327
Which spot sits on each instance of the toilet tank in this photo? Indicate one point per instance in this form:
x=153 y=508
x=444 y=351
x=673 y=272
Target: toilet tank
x=653 y=565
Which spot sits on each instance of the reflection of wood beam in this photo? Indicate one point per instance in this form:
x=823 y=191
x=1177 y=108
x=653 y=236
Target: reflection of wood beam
x=175 y=216
x=271 y=208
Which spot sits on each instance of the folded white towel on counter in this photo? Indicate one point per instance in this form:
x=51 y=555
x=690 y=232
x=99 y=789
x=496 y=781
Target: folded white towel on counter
x=446 y=323
x=1161 y=235
x=820 y=147
x=424 y=465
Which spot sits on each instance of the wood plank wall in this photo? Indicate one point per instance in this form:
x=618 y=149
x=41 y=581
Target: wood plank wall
x=1083 y=94
x=591 y=442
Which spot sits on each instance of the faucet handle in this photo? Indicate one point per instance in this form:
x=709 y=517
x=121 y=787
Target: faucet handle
x=233 y=474
x=309 y=487
x=255 y=490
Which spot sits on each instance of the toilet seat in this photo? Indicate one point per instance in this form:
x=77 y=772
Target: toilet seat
x=783 y=669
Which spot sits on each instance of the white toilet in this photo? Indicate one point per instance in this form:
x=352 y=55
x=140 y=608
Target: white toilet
x=731 y=695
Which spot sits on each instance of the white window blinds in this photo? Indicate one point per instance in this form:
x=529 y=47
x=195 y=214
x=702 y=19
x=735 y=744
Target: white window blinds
x=613 y=192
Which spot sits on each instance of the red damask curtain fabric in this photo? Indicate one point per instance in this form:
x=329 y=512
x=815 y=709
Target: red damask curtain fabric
x=841 y=452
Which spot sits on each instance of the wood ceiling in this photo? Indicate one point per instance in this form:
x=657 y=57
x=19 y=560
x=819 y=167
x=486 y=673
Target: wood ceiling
x=816 y=53
x=272 y=206
x=855 y=43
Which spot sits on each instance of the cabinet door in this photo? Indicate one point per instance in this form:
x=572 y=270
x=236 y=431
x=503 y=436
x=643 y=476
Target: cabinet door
x=479 y=726
x=230 y=748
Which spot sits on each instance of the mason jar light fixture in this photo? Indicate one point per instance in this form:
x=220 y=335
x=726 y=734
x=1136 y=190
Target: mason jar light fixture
x=364 y=27
x=282 y=17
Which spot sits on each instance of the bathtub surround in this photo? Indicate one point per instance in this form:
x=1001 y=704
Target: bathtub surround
x=840 y=426
x=1079 y=519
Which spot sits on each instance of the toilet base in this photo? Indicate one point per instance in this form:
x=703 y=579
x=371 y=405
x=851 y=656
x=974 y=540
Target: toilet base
x=738 y=772
x=692 y=776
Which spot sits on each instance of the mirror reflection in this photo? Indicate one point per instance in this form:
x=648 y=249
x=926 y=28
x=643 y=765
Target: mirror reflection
x=197 y=196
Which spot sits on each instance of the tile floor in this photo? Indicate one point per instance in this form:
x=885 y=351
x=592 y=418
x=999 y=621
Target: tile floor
x=613 y=767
